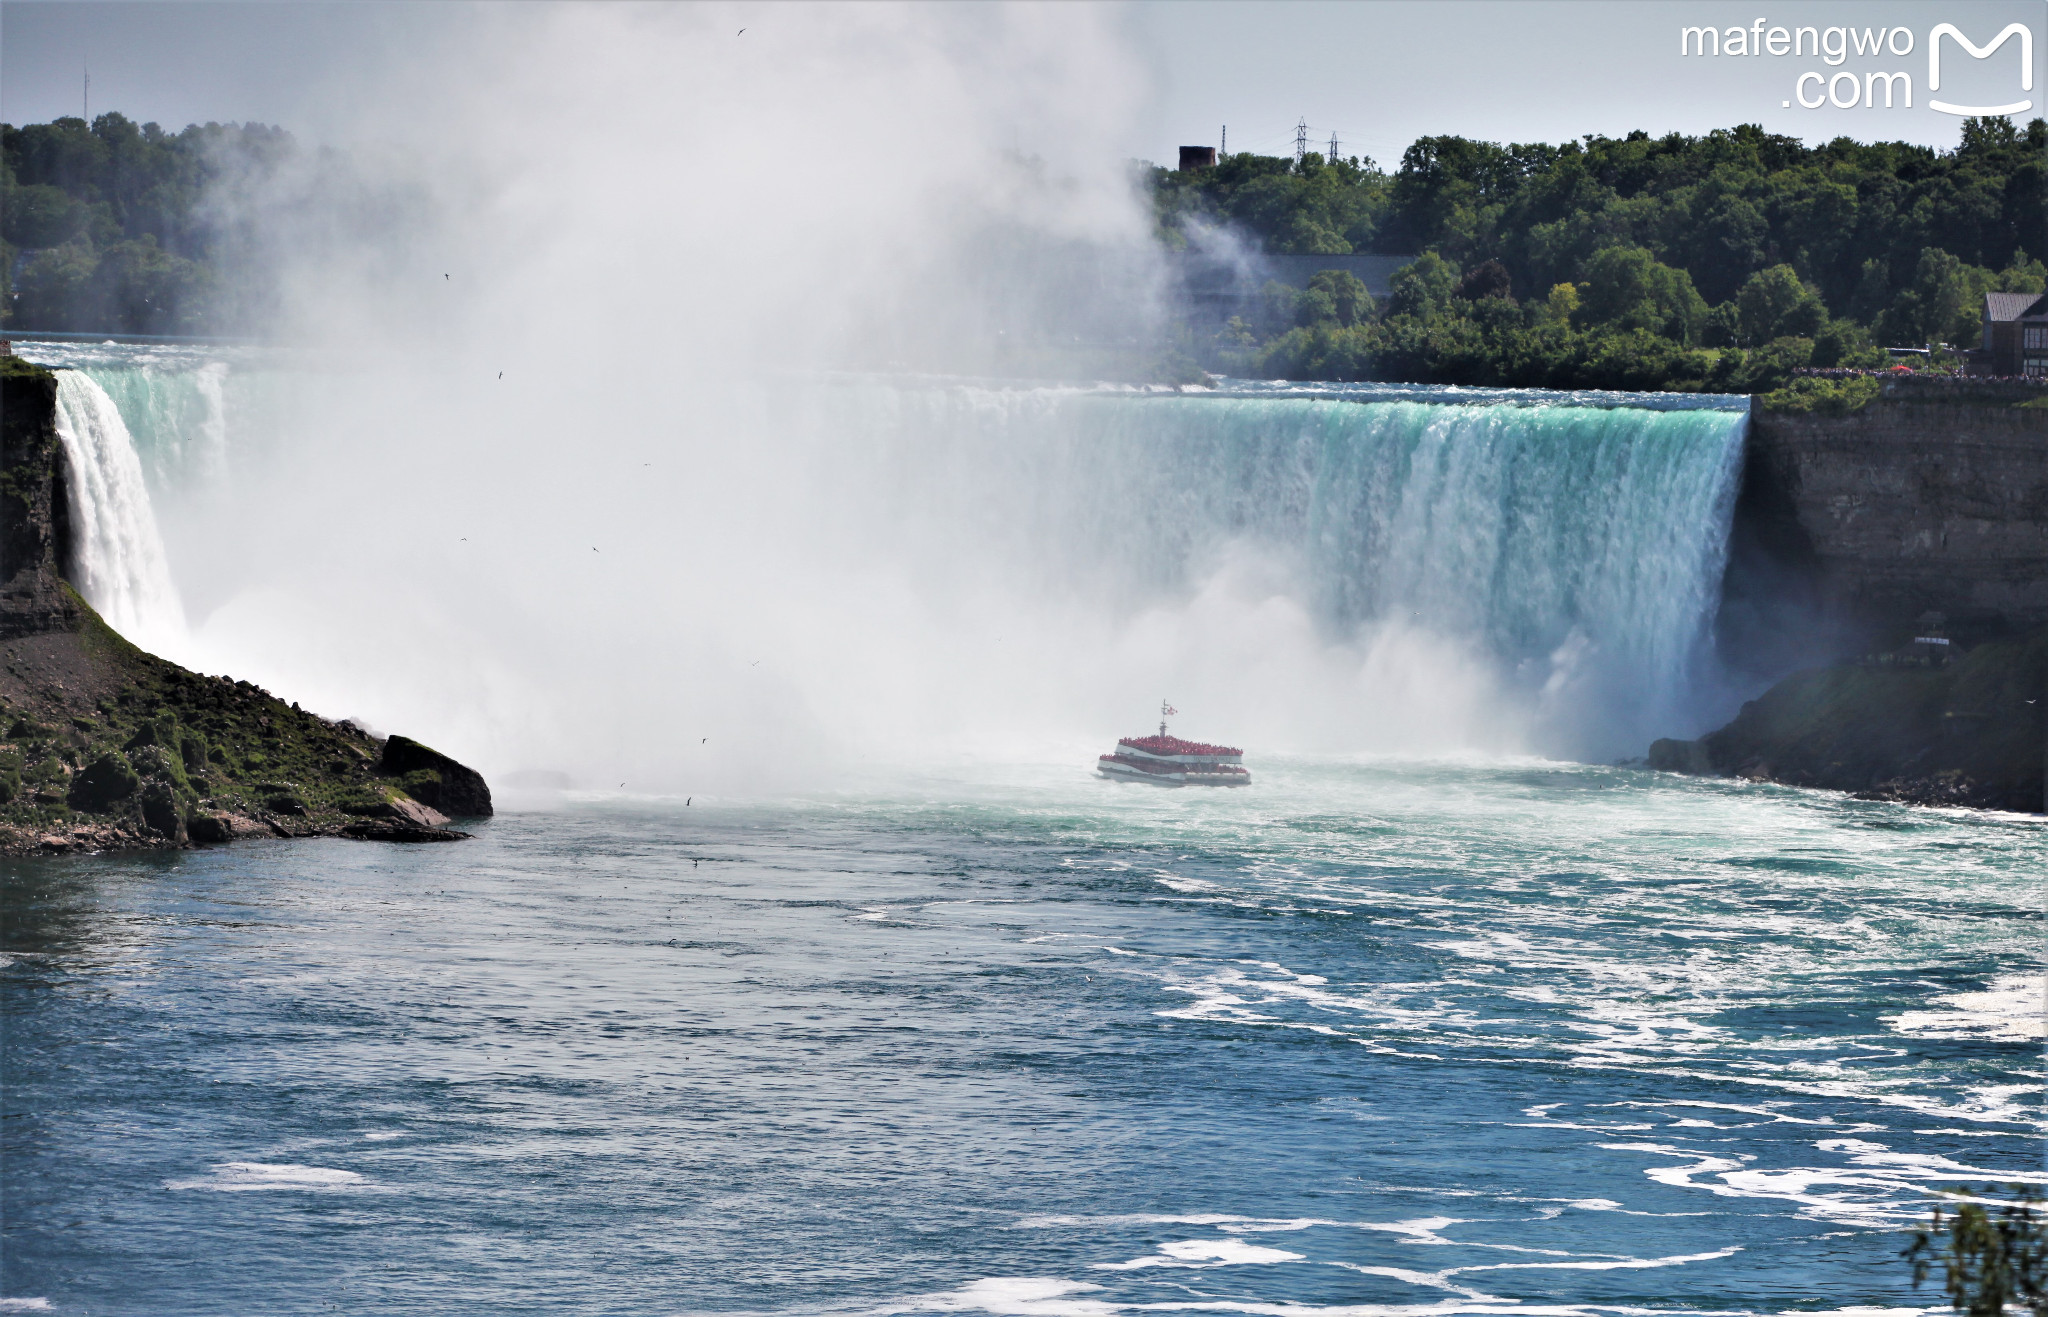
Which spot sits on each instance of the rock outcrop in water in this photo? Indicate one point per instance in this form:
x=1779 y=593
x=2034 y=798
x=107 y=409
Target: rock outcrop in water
x=1969 y=733
x=103 y=746
x=1853 y=527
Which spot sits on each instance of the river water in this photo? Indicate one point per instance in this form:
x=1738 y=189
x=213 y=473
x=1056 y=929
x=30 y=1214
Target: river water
x=1452 y=1026
x=1370 y=1036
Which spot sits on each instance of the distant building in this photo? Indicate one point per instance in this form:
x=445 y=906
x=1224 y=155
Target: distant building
x=1197 y=157
x=2015 y=336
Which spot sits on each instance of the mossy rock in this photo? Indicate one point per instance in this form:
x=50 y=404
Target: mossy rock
x=434 y=779
x=1968 y=733
x=102 y=783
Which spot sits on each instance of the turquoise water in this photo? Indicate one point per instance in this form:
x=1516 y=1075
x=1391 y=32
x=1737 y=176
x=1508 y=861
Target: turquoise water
x=1394 y=1035
x=1370 y=1036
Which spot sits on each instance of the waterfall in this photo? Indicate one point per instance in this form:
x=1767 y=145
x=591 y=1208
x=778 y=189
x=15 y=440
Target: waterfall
x=118 y=560
x=1575 y=551
x=926 y=562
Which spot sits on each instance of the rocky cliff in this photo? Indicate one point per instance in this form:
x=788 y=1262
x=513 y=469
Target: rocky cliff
x=103 y=746
x=33 y=523
x=1850 y=528
x=1924 y=507
x=1966 y=733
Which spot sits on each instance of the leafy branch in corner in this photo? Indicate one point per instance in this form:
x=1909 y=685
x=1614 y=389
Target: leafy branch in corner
x=1993 y=1253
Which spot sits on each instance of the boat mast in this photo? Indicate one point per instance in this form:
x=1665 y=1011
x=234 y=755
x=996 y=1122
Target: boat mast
x=1165 y=711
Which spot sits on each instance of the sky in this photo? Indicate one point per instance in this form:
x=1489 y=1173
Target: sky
x=1376 y=73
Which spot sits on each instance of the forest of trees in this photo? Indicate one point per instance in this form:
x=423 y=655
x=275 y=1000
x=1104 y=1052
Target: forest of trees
x=1719 y=262
x=124 y=229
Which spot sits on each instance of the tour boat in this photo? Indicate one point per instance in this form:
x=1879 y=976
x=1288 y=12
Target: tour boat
x=1168 y=761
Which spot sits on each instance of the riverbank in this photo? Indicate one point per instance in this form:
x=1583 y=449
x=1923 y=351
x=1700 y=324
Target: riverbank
x=106 y=747
x=1970 y=732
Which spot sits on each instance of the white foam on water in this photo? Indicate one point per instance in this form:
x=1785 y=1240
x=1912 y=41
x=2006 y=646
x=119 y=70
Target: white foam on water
x=1420 y=1230
x=1044 y=1297
x=1876 y=1185
x=378 y=1136
x=237 y=1177
x=1205 y=1253
x=2011 y=1008
x=24 y=1305
x=1024 y=1296
x=1600 y=1264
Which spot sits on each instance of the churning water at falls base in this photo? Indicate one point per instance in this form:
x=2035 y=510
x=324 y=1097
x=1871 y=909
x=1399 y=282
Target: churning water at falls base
x=1369 y=1037
x=1380 y=1034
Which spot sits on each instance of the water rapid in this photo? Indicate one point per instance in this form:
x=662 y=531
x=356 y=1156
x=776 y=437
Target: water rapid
x=1389 y=1032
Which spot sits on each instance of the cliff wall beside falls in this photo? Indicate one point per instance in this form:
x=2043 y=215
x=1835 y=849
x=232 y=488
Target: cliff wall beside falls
x=103 y=746
x=1849 y=528
x=33 y=506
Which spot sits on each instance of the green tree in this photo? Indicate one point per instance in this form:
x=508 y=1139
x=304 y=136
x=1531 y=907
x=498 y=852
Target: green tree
x=1343 y=292
x=1993 y=1255
x=1940 y=305
x=39 y=216
x=1628 y=288
x=1774 y=303
x=1424 y=288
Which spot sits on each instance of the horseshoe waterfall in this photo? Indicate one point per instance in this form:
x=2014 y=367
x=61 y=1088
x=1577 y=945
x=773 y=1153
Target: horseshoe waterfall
x=808 y=967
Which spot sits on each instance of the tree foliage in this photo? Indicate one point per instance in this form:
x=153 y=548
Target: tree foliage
x=115 y=226
x=1725 y=260
x=1993 y=1255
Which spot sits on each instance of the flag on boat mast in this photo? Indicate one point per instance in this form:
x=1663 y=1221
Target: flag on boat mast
x=1165 y=711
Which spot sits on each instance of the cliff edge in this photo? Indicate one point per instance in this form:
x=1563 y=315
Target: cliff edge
x=1906 y=497
x=103 y=746
x=1872 y=511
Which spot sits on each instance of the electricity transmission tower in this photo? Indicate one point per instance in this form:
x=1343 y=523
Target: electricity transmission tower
x=1333 y=148
x=1300 y=142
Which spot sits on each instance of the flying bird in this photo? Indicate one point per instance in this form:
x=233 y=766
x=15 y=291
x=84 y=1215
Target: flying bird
x=688 y=799
x=742 y=32
x=501 y=374
x=707 y=740
x=444 y=276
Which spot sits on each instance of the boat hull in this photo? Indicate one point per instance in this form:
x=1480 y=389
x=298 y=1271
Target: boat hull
x=1125 y=773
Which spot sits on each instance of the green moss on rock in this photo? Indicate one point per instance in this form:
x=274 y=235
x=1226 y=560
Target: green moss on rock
x=1969 y=733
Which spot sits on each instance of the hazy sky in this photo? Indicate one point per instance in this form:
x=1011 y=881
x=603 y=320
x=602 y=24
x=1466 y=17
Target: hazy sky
x=1377 y=73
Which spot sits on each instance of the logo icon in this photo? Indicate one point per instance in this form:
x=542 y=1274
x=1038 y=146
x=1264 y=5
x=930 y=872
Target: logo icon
x=2026 y=37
